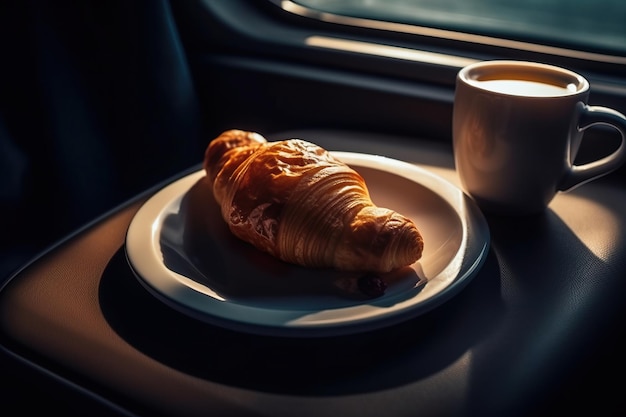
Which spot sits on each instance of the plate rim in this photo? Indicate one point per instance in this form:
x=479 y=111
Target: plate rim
x=474 y=227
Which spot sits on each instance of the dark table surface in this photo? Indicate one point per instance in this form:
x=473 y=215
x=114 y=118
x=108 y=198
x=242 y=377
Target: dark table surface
x=532 y=333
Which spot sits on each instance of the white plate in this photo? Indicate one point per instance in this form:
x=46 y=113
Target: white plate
x=181 y=250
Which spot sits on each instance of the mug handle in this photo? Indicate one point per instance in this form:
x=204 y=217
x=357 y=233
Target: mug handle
x=589 y=116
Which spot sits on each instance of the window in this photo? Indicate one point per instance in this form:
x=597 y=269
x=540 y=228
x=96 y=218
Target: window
x=371 y=73
x=588 y=29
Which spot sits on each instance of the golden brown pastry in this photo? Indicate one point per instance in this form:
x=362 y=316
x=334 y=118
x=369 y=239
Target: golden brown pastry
x=295 y=201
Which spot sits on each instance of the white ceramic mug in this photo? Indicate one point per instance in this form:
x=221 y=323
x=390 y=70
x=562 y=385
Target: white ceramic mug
x=517 y=127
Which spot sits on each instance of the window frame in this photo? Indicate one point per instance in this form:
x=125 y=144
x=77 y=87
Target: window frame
x=270 y=31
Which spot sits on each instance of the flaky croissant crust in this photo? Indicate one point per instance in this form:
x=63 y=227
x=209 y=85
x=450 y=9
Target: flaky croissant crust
x=296 y=201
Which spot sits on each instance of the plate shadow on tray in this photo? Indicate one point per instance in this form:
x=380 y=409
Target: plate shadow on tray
x=318 y=366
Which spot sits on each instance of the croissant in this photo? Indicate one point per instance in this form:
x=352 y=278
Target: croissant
x=295 y=201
